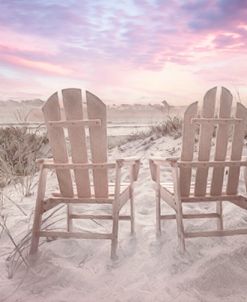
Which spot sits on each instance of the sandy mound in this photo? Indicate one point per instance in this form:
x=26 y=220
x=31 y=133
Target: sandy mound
x=148 y=269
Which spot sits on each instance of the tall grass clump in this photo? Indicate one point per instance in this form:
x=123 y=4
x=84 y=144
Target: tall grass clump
x=19 y=149
x=171 y=127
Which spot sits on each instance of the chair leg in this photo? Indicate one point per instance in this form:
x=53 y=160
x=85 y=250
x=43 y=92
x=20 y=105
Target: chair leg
x=69 y=220
x=132 y=212
x=38 y=212
x=114 y=243
x=180 y=227
x=219 y=210
x=35 y=232
x=158 y=212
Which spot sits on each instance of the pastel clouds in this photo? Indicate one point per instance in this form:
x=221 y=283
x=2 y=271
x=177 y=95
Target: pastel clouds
x=15 y=41
x=103 y=44
x=46 y=67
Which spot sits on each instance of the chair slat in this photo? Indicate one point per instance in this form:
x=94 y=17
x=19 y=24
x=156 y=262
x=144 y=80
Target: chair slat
x=72 y=101
x=51 y=111
x=237 y=148
x=98 y=142
x=217 y=121
x=75 y=123
x=188 y=148
x=221 y=141
x=206 y=133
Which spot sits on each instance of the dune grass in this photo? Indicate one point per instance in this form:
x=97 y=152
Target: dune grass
x=171 y=127
x=19 y=149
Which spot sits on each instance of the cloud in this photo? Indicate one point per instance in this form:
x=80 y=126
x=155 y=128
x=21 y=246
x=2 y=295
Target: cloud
x=45 y=67
x=143 y=33
x=14 y=41
x=102 y=42
x=216 y=15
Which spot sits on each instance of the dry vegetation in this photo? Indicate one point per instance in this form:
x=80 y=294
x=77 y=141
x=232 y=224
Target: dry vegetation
x=172 y=127
x=19 y=149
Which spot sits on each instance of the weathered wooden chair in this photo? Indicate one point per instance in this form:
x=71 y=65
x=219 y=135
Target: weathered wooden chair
x=209 y=167
x=83 y=188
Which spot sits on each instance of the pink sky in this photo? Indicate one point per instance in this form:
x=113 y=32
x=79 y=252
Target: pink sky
x=128 y=51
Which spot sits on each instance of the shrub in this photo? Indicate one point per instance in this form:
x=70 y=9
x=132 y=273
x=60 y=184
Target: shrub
x=19 y=149
x=172 y=127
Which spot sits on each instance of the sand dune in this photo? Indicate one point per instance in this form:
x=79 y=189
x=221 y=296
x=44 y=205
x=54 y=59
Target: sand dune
x=148 y=269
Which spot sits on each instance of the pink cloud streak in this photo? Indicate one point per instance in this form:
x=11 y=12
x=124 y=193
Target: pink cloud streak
x=42 y=66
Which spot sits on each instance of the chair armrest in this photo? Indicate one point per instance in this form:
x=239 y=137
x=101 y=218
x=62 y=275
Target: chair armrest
x=128 y=161
x=50 y=164
x=168 y=162
x=156 y=162
x=132 y=162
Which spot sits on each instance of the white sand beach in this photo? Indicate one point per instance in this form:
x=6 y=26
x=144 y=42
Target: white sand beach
x=147 y=268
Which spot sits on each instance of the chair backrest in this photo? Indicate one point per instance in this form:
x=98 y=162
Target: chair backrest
x=213 y=133
x=67 y=112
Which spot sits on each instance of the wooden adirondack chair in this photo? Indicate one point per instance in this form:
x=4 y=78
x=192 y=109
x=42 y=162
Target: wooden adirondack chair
x=85 y=188
x=209 y=167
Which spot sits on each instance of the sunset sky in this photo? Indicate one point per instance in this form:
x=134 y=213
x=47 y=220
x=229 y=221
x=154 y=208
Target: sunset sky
x=128 y=51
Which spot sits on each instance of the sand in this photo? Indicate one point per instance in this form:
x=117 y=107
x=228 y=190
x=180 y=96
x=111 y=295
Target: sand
x=147 y=269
